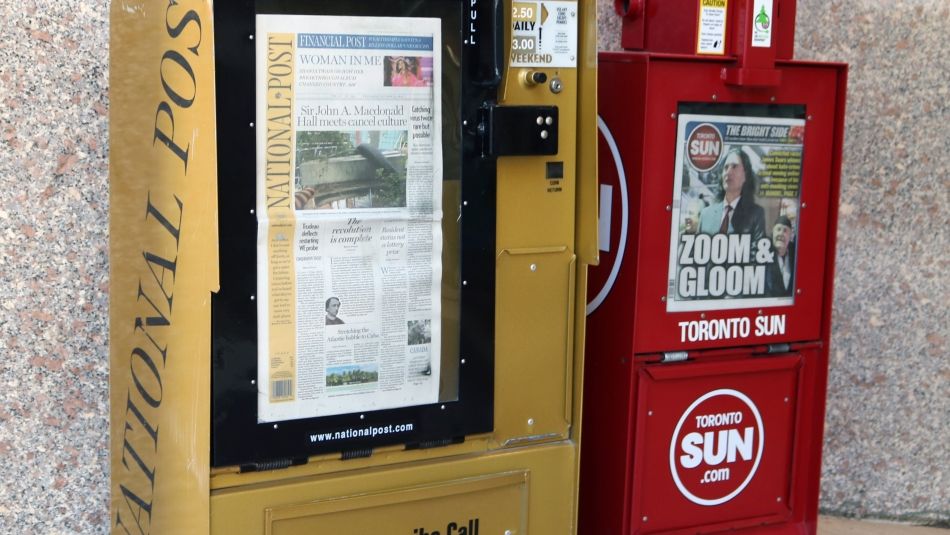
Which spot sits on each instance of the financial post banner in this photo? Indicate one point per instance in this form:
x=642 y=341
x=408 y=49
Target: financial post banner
x=736 y=195
x=349 y=208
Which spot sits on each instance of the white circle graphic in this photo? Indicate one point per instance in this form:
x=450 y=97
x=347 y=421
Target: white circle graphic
x=758 y=457
x=624 y=211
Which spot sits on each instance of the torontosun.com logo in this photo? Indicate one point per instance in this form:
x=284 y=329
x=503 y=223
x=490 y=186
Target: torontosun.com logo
x=716 y=447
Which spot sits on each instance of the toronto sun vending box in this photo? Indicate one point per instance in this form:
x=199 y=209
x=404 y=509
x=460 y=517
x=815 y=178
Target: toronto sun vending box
x=709 y=314
x=349 y=249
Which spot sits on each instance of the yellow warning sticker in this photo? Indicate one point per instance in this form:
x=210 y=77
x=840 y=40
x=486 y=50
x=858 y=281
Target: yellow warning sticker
x=711 y=33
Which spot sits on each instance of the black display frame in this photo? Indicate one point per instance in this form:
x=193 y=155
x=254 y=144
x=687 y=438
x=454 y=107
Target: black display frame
x=237 y=438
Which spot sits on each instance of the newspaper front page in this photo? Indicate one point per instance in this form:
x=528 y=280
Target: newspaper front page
x=349 y=193
x=736 y=198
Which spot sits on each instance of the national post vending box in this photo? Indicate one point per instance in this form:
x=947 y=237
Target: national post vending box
x=350 y=246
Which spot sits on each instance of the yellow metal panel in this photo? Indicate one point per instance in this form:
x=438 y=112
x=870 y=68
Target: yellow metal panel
x=535 y=272
x=163 y=254
x=550 y=507
x=580 y=322
x=452 y=507
x=587 y=204
x=587 y=246
x=531 y=210
x=533 y=327
x=227 y=478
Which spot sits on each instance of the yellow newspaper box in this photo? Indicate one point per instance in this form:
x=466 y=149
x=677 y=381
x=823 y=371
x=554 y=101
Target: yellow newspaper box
x=349 y=249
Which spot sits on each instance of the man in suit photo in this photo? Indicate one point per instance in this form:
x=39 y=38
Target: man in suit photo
x=735 y=211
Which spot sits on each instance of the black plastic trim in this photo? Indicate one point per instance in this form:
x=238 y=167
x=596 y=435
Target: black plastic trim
x=237 y=438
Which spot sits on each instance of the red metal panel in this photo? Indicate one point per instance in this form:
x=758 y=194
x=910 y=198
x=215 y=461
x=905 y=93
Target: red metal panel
x=714 y=444
x=671 y=26
x=671 y=82
x=622 y=480
x=644 y=130
x=608 y=389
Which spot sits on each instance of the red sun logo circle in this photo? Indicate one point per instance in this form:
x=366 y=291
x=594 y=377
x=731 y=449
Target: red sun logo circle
x=704 y=147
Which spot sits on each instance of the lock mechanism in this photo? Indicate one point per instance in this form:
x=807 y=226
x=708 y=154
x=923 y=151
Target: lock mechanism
x=518 y=130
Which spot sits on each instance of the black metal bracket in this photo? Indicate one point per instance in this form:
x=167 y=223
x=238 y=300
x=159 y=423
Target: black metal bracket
x=518 y=130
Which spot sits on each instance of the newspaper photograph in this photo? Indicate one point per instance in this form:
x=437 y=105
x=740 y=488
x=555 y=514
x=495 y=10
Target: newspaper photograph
x=736 y=194
x=349 y=211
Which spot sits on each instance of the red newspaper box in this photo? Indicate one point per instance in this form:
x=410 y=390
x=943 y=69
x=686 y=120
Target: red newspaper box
x=709 y=324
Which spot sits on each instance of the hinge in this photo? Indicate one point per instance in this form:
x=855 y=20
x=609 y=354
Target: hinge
x=278 y=464
x=674 y=356
x=360 y=453
x=778 y=348
x=440 y=443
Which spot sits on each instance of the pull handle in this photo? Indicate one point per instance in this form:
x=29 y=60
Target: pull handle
x=496 y=47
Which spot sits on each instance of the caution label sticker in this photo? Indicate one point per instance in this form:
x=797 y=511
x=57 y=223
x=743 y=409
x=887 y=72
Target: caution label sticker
x=711 y=37
x=543 y=34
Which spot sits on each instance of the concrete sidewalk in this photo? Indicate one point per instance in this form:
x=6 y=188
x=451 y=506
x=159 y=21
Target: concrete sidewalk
x=829 y=525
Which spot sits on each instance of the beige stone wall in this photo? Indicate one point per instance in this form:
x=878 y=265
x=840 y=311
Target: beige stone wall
x=885 y=448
